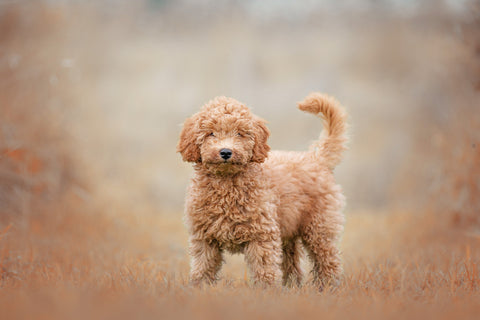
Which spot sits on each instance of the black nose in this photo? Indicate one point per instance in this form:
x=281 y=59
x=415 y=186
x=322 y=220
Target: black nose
x=226 y=154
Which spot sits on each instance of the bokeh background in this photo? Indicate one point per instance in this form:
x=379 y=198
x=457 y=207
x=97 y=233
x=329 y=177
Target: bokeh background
x=93 y=95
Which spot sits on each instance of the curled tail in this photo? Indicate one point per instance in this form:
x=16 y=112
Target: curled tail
x=333 y=139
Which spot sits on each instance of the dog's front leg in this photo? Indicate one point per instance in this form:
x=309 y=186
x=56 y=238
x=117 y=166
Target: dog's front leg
x=206 y=261
x=264 y=259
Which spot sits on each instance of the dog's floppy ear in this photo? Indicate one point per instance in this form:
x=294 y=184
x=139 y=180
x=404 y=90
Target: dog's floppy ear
x=261 y=134
x=187 y=145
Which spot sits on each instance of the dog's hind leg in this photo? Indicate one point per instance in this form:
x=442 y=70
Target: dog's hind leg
x=320 y=236
x=292 y=271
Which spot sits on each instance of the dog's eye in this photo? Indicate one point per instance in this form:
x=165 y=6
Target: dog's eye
x=211 y=134
x=239 y=135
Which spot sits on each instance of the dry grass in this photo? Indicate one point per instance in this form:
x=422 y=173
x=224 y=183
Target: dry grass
x=80 y=232
x=88 y=266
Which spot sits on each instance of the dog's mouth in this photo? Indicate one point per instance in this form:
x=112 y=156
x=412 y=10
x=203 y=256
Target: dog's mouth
x=224 y=164
x=228 y=162
x=224 y=167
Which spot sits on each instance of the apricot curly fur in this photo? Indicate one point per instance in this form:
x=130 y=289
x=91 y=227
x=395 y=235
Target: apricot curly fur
x=260 y=203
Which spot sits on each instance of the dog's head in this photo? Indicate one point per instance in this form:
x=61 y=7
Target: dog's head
x=224 y=137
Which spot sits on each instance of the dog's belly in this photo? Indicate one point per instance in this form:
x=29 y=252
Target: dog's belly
x=233 y=232
x=233 y=247
x=231 y=236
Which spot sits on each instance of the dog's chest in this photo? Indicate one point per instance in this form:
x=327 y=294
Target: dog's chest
x=227 y=215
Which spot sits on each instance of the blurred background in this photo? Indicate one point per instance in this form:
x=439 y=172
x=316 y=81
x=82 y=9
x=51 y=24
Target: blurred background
x=93 y=95
x=112 y=82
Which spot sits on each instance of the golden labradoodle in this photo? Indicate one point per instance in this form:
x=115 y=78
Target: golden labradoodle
x=245 y=199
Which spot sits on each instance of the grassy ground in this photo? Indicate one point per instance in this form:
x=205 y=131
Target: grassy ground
x=91 y=266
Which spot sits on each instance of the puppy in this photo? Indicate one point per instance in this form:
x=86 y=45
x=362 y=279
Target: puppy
x=244 y=198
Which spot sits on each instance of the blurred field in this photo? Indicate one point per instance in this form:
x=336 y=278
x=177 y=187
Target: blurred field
x=91 y=190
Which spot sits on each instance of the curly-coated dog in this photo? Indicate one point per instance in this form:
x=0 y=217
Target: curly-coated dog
x=247 y=199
